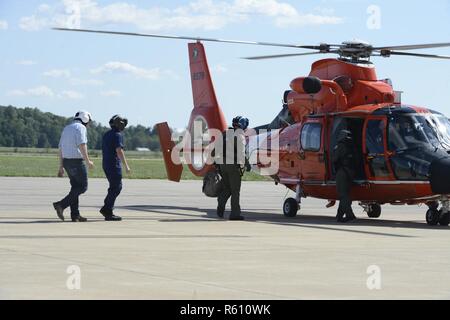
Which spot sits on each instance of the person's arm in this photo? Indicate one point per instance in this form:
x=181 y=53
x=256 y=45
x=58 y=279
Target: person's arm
x=84 y=153
x=61 y=167
x=121 y=155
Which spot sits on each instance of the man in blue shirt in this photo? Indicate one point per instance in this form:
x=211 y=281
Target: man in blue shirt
x=73 y=156
x=113 y=157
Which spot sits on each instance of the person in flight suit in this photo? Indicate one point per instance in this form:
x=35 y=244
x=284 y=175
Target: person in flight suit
x=344 y=162
x=231 y=160
x=113 y=157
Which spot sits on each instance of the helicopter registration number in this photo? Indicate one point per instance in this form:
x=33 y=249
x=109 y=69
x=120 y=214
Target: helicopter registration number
x=198 y=76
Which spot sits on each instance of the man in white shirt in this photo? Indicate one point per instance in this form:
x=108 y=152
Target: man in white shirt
x=73 y=156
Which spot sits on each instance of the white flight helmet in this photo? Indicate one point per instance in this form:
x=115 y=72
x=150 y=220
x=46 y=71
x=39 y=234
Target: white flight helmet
x=84 y=116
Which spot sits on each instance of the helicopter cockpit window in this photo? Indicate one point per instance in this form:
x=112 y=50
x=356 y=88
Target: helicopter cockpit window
x=442 y=125
x=311 y=136
x=408 y=132
x=415 y=139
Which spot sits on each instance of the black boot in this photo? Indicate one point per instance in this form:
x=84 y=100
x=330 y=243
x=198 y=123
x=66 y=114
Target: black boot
x=340 y=216
x=220 y=212
x=109 y=215
x=59 y=210
x=78 y=218
x=350 y=217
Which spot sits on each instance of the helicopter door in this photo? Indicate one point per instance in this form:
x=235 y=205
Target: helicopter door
x=375 y=146
x=313 y=165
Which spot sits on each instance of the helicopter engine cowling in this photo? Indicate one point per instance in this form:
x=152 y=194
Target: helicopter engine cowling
x=313 y=95
x=306 y=85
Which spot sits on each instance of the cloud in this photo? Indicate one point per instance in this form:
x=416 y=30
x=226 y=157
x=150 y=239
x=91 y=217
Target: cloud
x=309 y=19
x=195 y=15
x=46 y=92
x=44 y=8
x=73 y=95
x=58 y=73
x=219 y=69
x=3 y=25
x=33 y=23
x=41 y=91
x=111 y=93
x=126 y=68
x=271 y=8
x=86 y=82
x=26 y=63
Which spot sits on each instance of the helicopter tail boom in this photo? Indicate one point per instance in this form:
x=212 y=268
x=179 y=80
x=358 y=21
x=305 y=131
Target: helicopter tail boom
x=206 y=113
x=204 y=95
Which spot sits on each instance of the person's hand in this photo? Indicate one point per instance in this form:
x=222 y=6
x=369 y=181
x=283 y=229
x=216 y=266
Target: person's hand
x=248 y=167
x=91 y=165
x=128 y=170
x=61 y=172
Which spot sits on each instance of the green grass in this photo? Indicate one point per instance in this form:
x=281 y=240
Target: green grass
x=92 y=153
x=42 y=164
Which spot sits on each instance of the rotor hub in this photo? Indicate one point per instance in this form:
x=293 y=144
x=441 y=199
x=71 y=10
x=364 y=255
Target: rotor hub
x=355 y=51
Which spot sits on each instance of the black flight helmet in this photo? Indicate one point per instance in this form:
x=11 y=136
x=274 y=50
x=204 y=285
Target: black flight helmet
x=345 y=136
x=118 y=122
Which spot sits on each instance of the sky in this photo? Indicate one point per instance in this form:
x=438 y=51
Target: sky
x=148 y=81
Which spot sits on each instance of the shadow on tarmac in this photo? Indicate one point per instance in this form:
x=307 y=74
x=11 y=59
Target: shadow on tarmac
x=191 y=214
x=302 y=221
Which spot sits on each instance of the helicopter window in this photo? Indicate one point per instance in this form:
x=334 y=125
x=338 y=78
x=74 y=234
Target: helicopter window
x=311 y=136
x=415 y=139
x=374 y=137
x=443 y=128
x=412 y=132
x=375 y=148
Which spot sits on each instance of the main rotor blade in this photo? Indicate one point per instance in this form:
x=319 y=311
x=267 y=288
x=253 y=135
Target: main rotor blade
x=414 y=47
x=410 y=54
x=190 y=38
x=285 y=55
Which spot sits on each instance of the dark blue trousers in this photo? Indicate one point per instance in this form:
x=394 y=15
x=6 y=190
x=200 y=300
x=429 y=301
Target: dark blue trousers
x=115 y=187
x=77 y=173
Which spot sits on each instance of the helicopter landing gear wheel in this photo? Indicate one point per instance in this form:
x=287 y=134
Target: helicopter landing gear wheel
x=290 y=208
x=444 y=218
x=374 y=210
x=433 y=217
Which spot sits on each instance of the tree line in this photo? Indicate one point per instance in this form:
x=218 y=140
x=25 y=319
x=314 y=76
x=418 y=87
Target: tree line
x=32 y=128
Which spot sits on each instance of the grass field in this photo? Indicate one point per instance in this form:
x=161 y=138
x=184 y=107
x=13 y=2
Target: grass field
x=92 y=153
x=26 y=163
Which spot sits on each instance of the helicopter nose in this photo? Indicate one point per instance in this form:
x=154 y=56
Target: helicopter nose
x=440 y=176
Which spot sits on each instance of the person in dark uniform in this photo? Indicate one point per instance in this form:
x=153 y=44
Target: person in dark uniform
x=344 y=162
x=113 y=157
x=231 y=160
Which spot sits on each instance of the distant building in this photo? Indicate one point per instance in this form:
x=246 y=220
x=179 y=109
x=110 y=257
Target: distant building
x=142 y=149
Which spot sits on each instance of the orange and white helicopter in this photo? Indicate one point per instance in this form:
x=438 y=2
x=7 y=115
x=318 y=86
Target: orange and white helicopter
x=403 y=150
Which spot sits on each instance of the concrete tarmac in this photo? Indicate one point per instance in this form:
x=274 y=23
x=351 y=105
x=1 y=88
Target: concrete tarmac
x=171 y=245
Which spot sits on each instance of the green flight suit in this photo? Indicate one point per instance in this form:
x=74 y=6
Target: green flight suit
x=230 y=169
